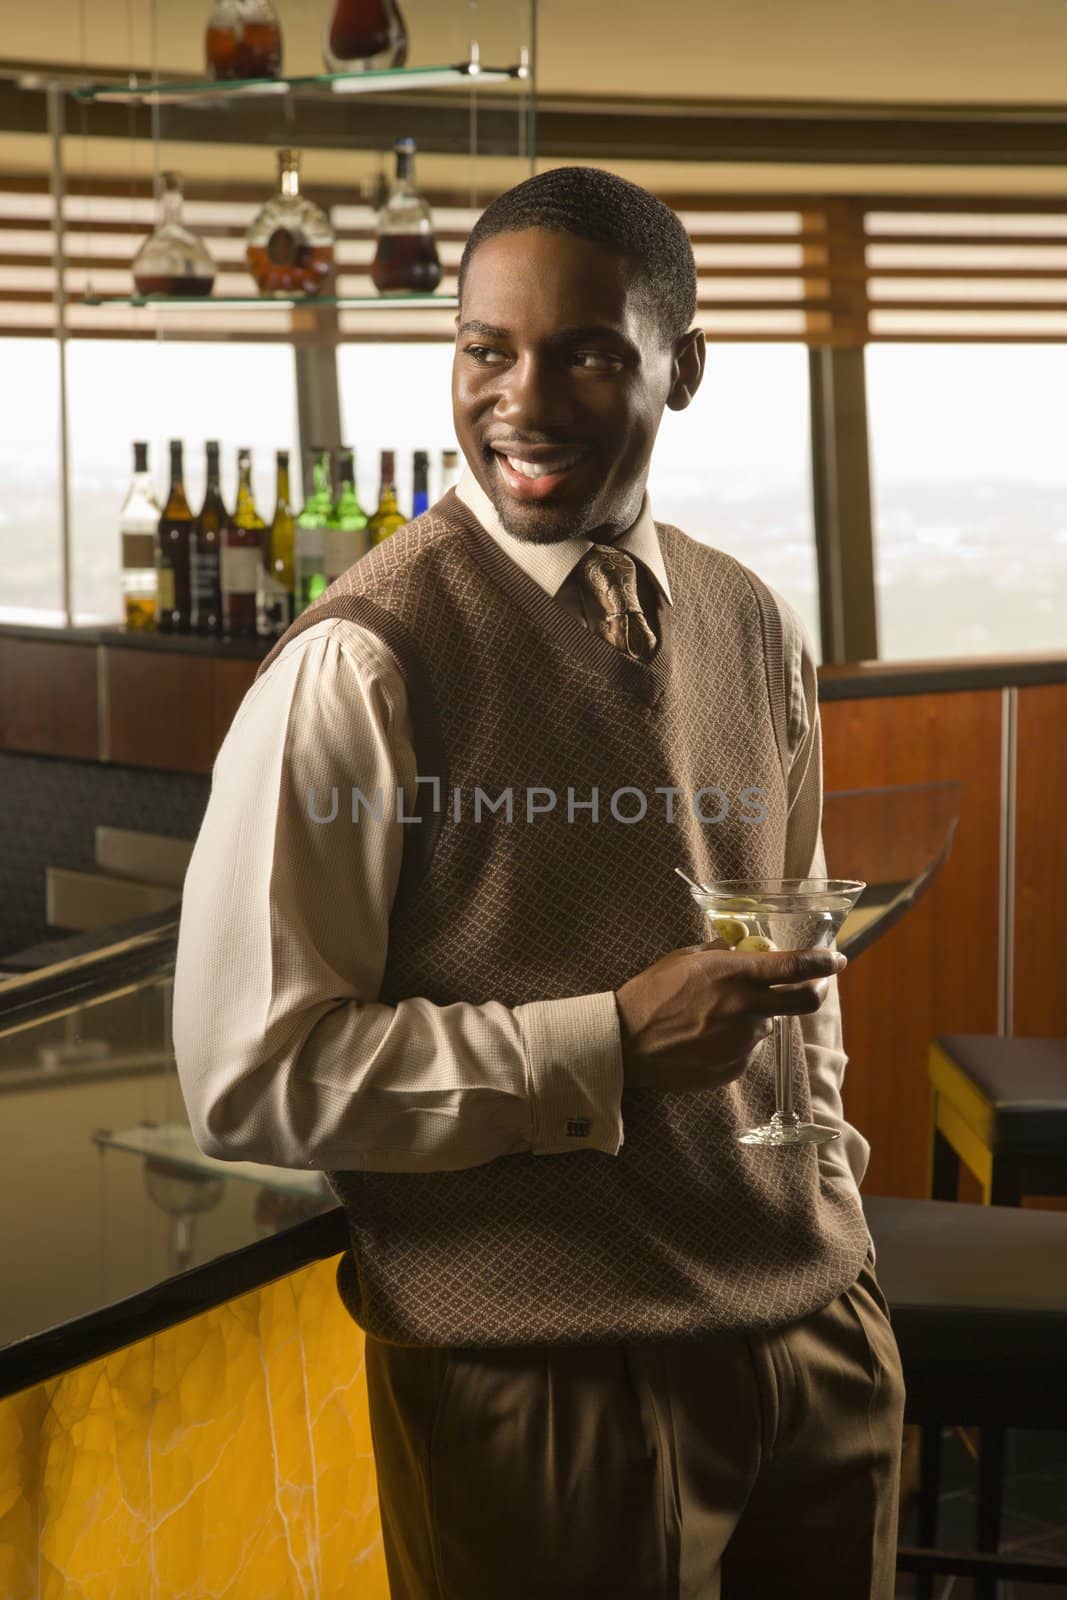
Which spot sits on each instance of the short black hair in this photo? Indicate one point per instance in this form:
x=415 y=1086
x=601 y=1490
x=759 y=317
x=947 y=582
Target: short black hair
x=613 y=212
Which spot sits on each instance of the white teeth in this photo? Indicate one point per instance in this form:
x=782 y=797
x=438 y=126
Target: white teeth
x=530 y=469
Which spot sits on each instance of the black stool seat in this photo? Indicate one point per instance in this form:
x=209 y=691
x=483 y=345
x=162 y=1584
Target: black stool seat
x=1023 y=1081
x=978 y=1301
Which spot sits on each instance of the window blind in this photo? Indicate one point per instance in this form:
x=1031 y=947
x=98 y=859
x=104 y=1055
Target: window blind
x=819 y=270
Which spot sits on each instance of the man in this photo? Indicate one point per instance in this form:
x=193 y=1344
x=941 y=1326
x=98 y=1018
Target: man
x=610 y=1350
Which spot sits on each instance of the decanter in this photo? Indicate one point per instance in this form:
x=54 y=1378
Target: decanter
x=289 y=245
x=406 y=259
x=243 y=40
x=365 y=36
x=172 y=260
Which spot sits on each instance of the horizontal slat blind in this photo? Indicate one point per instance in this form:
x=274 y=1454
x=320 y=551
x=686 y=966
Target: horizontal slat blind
x=821 y=270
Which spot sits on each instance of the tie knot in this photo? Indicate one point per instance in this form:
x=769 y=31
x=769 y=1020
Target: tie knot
x=611 y=576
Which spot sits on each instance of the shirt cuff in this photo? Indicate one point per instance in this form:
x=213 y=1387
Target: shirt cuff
x=574 y=1061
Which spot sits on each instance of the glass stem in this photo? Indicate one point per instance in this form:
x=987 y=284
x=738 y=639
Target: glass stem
x=784 y=1116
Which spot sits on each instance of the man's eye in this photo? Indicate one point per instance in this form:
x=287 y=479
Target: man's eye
x=478 y=351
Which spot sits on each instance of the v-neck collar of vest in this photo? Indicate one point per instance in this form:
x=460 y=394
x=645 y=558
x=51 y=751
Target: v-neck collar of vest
x=645 y=680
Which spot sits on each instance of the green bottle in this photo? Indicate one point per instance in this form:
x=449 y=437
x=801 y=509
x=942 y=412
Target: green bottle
x=388 y=517
x=311 y=533
x=346 y=535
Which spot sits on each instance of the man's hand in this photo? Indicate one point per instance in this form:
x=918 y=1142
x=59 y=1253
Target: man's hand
x=692 y=1019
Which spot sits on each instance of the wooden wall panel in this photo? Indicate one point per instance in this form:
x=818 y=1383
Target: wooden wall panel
x=161 y=710
x=1039 y=970
x=936 y=971
x=48 y=698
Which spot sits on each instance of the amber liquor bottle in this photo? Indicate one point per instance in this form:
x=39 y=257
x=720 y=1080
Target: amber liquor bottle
x=205 y=563
x=242 y=554
x=405 y=258
x=173 y=598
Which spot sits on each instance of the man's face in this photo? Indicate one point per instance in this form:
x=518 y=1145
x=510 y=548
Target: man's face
x=555 y=359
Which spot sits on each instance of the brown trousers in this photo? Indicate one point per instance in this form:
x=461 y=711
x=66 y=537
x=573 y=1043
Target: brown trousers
x=746 y=1466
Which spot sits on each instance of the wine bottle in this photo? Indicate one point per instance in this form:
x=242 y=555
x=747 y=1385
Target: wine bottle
x=205 y=566
x=311 y=532
x=345 y=538
x=364 y=35
x=420 y=490
x=388 y=516
x=274 y=595
x=450 y=470
x=173 y=608
x=405 y=258
x=242 y=552
x=138 y=521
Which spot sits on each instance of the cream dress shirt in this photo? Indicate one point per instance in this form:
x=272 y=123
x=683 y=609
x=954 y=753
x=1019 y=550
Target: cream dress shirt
x=284 y=1052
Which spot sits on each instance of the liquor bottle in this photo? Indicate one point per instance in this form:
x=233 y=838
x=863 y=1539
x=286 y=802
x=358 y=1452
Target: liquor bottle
x=173 y=610
x=289 y=243
x=274 y=594
x=450 y=470
x=172 y=260
x=364 y=36
x=242 y=552
x=420 y=490
x=205 y=552
x=388 y=516
x=138 y=521
x=406 y=259
x=311 y=533
x=345 y=539
x=243 y=40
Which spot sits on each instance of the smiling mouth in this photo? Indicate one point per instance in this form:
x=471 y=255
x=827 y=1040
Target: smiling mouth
x=536 y=480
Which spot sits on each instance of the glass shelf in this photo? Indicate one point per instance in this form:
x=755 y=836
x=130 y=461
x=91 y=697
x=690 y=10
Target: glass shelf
x=430 y=77
x=260 y=302
x=172 y=1144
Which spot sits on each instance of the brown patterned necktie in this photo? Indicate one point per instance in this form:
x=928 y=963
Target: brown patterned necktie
x=611 y=576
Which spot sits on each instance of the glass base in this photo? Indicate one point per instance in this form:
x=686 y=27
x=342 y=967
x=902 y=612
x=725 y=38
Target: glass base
x=782 y=1132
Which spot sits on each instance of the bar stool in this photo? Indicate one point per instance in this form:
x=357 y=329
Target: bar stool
x=999 y=1105
x=978 y=1300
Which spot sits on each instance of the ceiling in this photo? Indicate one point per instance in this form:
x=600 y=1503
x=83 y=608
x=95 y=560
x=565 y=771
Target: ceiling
x=938 y=53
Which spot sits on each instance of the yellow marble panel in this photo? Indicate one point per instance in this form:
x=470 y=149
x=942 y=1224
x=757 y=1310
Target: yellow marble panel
x=227 y=1457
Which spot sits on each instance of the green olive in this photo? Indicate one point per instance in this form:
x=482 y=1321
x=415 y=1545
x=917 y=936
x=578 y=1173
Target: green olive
x=756 y=941
x=728 y=928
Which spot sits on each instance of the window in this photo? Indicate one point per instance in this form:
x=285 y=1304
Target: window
x=124 y=389
x=734 y=469
x=30 y=514
x=396 y=397
x=969 y=498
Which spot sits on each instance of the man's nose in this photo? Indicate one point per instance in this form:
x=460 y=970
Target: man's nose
x=531 y=393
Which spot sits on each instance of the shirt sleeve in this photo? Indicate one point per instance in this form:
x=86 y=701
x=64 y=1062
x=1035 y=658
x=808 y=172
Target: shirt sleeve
x=284 y=1053
x=805 y=858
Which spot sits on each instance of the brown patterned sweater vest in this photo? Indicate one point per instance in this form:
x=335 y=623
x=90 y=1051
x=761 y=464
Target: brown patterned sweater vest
x=684 y=1231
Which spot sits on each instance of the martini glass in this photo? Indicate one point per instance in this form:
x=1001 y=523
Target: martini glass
x=779 y=914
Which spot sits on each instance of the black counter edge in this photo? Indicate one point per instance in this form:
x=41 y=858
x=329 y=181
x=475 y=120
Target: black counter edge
x=56 y=1350
x=174 y=643
x=872 y=680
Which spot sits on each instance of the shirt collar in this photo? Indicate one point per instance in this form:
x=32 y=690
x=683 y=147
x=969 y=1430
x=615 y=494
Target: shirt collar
x=550 y=565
